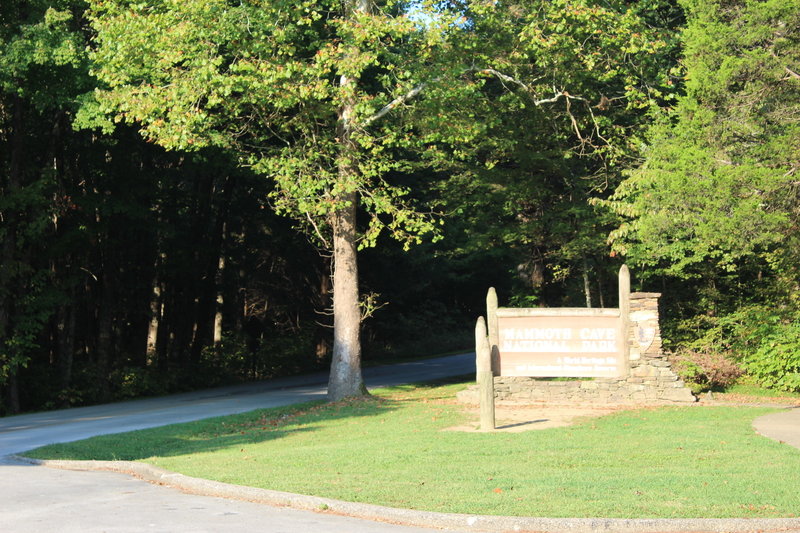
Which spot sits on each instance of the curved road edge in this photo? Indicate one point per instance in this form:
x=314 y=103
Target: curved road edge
x=408 y=517
x=783 y=426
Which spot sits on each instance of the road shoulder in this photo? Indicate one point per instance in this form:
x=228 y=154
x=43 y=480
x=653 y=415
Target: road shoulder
x=409 y=517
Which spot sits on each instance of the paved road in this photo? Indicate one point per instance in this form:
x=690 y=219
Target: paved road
x=36 y=499
x=783 y=426
x=24 y=432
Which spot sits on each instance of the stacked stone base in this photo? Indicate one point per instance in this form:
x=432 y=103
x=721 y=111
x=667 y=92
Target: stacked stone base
x=659 y=389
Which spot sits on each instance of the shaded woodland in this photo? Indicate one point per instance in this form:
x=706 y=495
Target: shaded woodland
x=661 y=134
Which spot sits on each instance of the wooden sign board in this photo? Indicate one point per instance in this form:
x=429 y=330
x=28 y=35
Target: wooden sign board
x=562 y=346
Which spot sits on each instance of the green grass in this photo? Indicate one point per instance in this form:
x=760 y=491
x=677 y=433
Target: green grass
x=392 y=450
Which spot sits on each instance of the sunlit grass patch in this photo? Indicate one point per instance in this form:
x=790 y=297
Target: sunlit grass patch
x=391 y=450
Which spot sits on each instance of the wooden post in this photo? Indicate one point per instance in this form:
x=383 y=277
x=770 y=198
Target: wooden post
x=494 y=332
x=487 y=401
x=625 y=311
x=484 y=376
x=483 y=361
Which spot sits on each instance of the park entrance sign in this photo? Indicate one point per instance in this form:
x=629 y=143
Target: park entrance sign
x=573 y=343
x=619 y=348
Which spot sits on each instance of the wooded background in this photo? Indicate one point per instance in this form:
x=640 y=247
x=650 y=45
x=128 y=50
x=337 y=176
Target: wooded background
x=171 y=174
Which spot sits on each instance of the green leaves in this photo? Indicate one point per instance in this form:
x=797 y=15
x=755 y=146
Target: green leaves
x=265 y=80
x=714 y=184
x=42 y=58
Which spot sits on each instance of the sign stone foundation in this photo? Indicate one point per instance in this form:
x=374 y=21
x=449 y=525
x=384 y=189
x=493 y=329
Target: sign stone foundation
x=620 y=349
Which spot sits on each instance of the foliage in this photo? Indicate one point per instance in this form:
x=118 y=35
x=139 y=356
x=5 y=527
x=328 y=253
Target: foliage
x=747 y=387
x=583 y=77
x=262 y=80
x=236 y=359
x=771 y=351
x=713 y=208
x=735 y=133
x=757 y=339
x=135 y=382
x=706 y=370
x=42 y=65
x=776 y=363
x=32 y=313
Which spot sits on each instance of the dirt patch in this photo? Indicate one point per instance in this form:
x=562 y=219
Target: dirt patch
x=513 y=419
x=518 y=418
x=730 y=398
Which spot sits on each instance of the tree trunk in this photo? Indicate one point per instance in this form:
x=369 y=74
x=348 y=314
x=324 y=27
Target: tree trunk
x=165 y=333
x=322 y=345
x=345 y=378
x=587 y=291
x=66 y=349
x=221 y=237
x=600 y=287
x=220 y=299
x=156 y=310
x=105 y=324
x=12 y=400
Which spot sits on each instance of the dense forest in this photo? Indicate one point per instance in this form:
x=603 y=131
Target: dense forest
x=183 y=184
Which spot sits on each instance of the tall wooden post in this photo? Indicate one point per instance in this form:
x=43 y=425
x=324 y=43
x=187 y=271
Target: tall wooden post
x=494 y=331
x=487 y=401
x=483 y=362
x=625 y=311
x=485 y=378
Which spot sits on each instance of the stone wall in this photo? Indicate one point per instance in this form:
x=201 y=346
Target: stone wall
x=651 y=372
x=650 y=379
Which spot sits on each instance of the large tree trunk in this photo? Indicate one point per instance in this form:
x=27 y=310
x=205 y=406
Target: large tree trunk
x=345 y=378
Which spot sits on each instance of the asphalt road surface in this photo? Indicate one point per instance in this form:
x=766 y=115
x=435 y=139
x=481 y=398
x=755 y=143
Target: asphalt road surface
x=35 y=499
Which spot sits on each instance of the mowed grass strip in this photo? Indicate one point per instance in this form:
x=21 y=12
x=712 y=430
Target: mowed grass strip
x=393 y=450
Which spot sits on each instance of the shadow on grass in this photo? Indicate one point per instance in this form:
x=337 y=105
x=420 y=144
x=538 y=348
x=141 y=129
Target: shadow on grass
x=235 y=431
x=434 y=383
x=214 y=434
x=521 y=424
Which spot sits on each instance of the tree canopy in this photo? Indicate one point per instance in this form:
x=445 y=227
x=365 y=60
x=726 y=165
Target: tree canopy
x=198 y=191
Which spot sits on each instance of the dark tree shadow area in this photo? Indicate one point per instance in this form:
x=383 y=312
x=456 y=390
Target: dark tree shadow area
x=218 y=433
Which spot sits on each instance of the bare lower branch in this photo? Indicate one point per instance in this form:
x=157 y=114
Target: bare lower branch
x=489 y=71
x=574 y=122
x=396 y=102
x=504 y=77
x=318 y=232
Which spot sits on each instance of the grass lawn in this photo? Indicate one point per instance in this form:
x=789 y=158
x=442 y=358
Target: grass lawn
x=393 y=450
